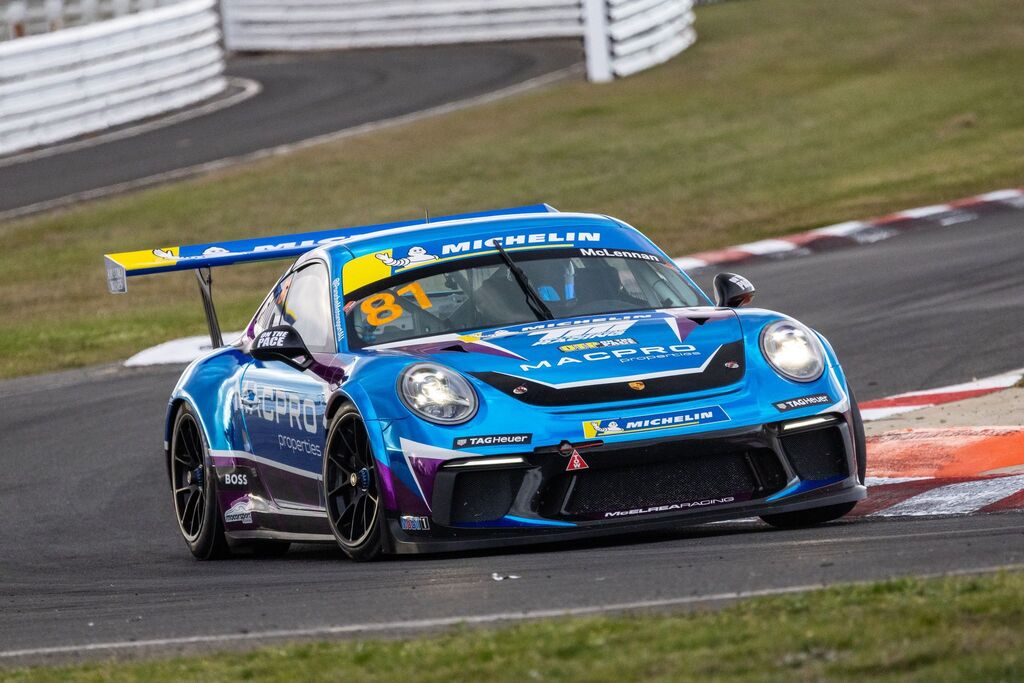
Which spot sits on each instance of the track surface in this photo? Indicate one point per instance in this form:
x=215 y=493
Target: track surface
x=303 y=96
x=92 y=553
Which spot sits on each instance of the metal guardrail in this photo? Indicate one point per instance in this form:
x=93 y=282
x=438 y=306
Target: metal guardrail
x=85 y=79
x=621 y=36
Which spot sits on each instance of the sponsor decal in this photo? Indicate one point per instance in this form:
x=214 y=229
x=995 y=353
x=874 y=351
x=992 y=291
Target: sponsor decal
x=339 y=329
x=668 y=508
x=576 y=462
x=620 y=254
x=637 y=386
x=413 y=523
x=600 y=344
x=741 y=282
x=416 y=256
x=301 y=446
x=622 y=355
x=280 y=406
x=234 y=480
x=581 y=332
x=510 y=241
x=171 y=253
x=273 y=339
x=240 y=511
x=802 y=402
x=579 y=321
x=492 y=440
x=653 y=423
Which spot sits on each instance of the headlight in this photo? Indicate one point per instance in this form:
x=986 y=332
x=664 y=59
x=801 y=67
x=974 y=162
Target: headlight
x=437 y=394
x=793 y=350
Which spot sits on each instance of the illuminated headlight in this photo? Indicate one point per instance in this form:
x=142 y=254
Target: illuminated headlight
x=437 y=394
x=793 y=350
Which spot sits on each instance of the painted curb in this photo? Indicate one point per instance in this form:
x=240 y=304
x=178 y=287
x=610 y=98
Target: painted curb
x=854 y=233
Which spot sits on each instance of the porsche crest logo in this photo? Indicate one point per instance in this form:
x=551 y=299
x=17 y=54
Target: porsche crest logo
x=637 y=386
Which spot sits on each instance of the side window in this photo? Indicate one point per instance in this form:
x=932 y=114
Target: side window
x=270 y=311
x=308 y=307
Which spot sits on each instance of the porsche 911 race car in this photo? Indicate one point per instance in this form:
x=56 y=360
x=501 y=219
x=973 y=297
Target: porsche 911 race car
x=491 y=379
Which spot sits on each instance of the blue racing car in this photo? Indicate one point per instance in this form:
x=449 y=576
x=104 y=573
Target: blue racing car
x=490 y=379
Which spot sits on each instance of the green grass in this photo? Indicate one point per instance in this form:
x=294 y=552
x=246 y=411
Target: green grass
x=786 y=114
x=953 y=629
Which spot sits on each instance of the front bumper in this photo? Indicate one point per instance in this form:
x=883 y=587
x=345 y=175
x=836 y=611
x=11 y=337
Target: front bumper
x=636 y=486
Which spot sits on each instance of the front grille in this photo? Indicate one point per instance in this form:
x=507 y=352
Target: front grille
x=743 y=475
x=485 y=495
x=817 y=454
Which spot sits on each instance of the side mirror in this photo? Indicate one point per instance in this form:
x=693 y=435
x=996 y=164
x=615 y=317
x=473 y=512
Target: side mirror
x=732 y=290
x=282 y=343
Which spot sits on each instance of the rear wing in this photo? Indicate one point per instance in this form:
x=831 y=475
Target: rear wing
x=201 y=257
x=128 y=264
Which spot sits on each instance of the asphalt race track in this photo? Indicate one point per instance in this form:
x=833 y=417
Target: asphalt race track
x=91 y=552
x=303 y=96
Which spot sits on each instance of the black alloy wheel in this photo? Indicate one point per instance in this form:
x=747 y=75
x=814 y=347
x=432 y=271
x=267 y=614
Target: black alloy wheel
x=351 y=487
x=194 y=489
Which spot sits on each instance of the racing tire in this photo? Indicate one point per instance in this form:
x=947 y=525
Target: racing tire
x=352 y=488
x=194 y=489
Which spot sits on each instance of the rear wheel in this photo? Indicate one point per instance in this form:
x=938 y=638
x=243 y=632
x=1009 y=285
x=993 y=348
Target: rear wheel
x=194 y=488
x=352 y=487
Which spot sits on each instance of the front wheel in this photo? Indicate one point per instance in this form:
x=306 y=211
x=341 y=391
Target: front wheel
x=352 y=487
x=194 y=487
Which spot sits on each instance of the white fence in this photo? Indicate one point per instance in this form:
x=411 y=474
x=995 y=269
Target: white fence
x=84 y=79
x=621 y=36
x=20 y=18
x=338 y=24
x=626 y=36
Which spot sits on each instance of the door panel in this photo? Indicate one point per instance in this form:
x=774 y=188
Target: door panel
x=284 y=417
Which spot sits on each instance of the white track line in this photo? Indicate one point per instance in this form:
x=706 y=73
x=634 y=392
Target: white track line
x=248 y=88
x=228 y=162
x=956 y=499
x=442 y=622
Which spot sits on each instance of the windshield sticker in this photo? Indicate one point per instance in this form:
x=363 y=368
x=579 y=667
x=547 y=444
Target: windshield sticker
x=416 y=255
x=653 y=423
x=383 y=307
x=565 y=239
x=619 y=253
x=380 y=265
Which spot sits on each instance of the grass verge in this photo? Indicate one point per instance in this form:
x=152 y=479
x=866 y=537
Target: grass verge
x=786 y=114
x=965 y=628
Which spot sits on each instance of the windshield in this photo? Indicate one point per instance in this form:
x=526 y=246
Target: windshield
x=480 y=293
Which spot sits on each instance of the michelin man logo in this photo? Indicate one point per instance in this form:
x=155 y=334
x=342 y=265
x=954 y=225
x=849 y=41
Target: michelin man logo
x=611 y=428
x=415 y=255
x=164 y=254
x=167 y=255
